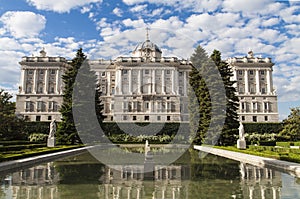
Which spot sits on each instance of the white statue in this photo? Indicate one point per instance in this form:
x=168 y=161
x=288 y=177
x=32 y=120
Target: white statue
x=241 y=131
x=147 y=147
x=241 y=142
x=52 y=129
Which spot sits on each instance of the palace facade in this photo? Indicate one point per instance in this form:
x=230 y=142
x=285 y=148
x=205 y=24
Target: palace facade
x=145 y=87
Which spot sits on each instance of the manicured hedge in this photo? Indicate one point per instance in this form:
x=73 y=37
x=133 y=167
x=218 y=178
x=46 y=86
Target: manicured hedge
x=262 y=128
x=20 y=147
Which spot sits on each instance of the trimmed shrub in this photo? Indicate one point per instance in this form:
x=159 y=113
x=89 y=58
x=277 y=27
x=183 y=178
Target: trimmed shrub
x=262 y=128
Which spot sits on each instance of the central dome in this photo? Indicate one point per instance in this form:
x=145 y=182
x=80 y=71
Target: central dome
x=147 y=49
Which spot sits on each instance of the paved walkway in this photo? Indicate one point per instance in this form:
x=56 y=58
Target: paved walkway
x=288 y=167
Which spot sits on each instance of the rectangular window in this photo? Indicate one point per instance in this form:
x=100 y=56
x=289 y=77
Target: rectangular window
x=158 y=118
x=147 y=105
x=254 y=118
x=262 y=72
x=168 y=118
x=266 y=118
x=125 y=105
x=38 y=118
x=41 y=72
x=49 y=118
x=52 y=72
x=147 y=118
x=30 y=72
x=124 y=72
x=263 y=90
x=134 y=118
x=180 y=73
x=147 y=72
x=103 y=74
x=240 y=72
x=243 y=118
x=39 y=105
x=168 y=72
x=251 y=72
x=124 y=117
x=27 y=106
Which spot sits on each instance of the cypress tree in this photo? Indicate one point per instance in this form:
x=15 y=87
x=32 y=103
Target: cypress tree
x=230 y=128
x=66 y=132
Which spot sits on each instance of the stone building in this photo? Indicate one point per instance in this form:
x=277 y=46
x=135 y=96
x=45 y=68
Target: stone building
x=143 y=87
x=258 y=98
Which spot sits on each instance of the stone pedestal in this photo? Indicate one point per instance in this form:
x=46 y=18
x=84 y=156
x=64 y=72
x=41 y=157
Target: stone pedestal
x=241 y=144
x=51 y=142
x=149 y=167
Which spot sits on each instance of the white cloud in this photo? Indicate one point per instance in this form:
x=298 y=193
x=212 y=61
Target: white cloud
x=134 y=23
x=23 y=24
x=59 y=5
x=195 y=5
x=270 y=22
x=118 y=12
x=138 y=8
x=245 y=6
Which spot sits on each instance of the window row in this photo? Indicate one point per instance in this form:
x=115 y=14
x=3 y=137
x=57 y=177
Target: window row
x=41 y=106
x=251 y=72
x=256 y=106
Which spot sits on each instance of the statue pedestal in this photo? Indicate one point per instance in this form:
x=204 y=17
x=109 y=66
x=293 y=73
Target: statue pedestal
x=241 y=144
x=51 y=142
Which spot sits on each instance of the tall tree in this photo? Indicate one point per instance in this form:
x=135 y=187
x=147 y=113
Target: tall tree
x=291 y=126
x=87 y=105
x=199 y=98
x=10 y=125
x=230 y=128
x=66 y=132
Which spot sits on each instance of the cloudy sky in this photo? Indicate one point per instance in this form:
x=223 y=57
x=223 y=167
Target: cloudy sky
x=110 y=28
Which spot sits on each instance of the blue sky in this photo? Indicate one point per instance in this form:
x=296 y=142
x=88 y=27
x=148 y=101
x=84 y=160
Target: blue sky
x=109 y=28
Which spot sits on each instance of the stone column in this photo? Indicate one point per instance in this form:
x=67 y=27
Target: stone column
x=139 y=81
x=57 y=82
x=119 y=81
x=235 y=78
x=22 y=81
x=108 y=83
x=184 y=83
x=173 y=81
x=163 y=81
x=153 y=81
x=46 y=86
x=269 y=88
x=257 y=82
x=129 y=82
x=176 y=83
x=34 y=84
x=246 y=82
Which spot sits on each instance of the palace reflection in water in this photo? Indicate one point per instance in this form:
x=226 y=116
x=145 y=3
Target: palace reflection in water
x=81 y=177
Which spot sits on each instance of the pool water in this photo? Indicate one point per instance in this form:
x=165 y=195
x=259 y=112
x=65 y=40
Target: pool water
x=191 y=176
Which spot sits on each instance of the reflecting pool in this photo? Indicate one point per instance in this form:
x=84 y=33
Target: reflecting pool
x=191 y=176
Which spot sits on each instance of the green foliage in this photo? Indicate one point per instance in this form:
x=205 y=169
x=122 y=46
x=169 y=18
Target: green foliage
x=262 y=128
x=10 y=125
x=66 y=131
x=37 y=137
x=230 y=128
x=291 y=126
x=20 y=147
x=199 y=97
x=25 y=153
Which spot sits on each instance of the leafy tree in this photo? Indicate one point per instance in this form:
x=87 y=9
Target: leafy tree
x=230 y=129
x=291 y=126
x=87 y=105
x=10 y=125
x=66 y=132
x=199 y=98
x=205 y=99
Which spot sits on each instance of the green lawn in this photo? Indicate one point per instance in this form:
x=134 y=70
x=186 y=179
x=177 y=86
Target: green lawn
x=287 y=154
x=25 y=153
